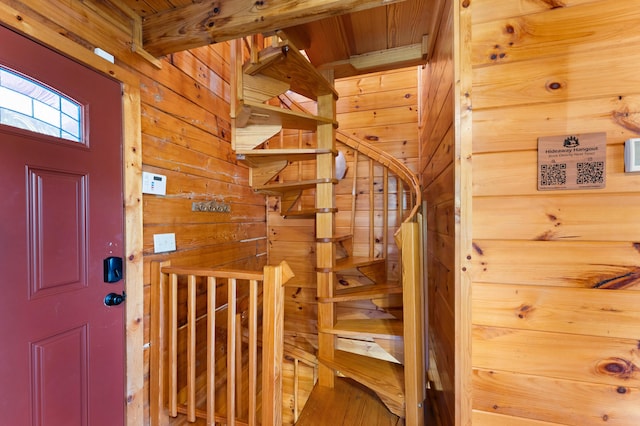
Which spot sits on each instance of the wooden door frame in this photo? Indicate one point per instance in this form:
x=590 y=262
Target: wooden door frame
x=132 y=192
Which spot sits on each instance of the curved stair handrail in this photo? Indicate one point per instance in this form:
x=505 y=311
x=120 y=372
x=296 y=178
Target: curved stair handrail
x=389 y=161
x=372 y=151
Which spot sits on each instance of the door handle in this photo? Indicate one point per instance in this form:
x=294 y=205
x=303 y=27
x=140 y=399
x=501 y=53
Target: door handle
x=113 y=299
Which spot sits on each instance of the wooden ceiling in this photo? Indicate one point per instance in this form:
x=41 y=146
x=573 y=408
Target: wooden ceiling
x=350 y=36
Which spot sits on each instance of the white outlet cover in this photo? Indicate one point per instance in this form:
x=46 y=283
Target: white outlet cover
x=164 y=242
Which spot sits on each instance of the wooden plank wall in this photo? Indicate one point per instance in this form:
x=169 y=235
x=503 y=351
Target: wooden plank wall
x=556 y=300
x=185 y=136
x=381 y=108
x=437 y=178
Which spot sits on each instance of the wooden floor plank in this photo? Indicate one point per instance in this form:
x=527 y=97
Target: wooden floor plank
x=348 y=404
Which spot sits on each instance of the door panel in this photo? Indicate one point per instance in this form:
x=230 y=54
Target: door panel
x=61 y=349
x=56 y=214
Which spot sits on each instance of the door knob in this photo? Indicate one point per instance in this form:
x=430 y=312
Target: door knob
x=113 y=299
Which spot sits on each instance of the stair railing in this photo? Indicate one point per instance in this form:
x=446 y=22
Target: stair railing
x=176 y=340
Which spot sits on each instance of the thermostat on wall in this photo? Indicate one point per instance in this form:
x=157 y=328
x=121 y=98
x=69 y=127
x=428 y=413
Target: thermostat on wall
x=632 y=155
x=154 y=184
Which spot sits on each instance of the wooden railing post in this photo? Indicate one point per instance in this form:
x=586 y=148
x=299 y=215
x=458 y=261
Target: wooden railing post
x=414 y=372
x=273 y=341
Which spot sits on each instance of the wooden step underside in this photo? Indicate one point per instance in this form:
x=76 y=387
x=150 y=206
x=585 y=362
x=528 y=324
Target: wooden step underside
x=365 y=292
x=251 y=114
x=285 y=63
x=386 y=379
x=390 y=329
x=353 y=263
x=258 y=157
x=281 y=188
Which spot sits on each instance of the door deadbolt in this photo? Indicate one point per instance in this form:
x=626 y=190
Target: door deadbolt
x=113 y=299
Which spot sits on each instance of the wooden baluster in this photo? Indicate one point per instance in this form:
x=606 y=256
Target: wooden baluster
x=157 y=362
x=402 y=201
x=253 y=352
x=211 y=351
x=238 y=355
x=372 y=207
x=385 y=213
x=231 y=349
x=354 y=196
x=296 y=386
x=400 y=195
x=191 y=348
x=173 y=345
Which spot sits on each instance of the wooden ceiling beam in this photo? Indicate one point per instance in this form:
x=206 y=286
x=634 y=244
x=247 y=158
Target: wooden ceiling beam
x=381 y=60
x=206 y=22
x=396 y=55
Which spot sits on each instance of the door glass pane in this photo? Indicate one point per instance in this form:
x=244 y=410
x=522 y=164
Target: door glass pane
x=29 y=105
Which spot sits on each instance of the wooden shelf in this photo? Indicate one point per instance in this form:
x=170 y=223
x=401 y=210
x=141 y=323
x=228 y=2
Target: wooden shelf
x=258 y=157
x=384 y=378
x=252 y=113
x=281 y=188
x=365 y=292
x=285 y=63
x=390 y=329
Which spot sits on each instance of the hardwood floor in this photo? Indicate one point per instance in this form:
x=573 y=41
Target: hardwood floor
x=348 y=404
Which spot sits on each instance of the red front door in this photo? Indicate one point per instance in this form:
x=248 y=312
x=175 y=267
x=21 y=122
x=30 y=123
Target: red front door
x=61 y=214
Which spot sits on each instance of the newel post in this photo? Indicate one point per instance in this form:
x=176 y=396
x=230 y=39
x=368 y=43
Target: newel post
x=273 y=341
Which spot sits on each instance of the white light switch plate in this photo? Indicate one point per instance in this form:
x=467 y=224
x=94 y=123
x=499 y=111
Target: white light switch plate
x=154 y=184
x=164 y=242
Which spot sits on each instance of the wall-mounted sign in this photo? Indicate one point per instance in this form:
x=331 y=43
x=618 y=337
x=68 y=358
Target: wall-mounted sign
x=572 y=161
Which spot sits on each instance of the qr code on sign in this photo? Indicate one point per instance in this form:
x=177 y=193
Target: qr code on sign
x=589 y=173
x=553 y=174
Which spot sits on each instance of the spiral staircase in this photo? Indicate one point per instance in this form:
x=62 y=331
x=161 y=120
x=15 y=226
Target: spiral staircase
x=261 y=108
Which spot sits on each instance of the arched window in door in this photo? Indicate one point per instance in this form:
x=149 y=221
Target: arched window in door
x=29 y=105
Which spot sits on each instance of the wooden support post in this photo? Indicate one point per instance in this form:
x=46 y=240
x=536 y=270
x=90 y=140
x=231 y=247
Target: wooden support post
x=325 y=228
x=273 y=342
x=414 y=372
x=211 y=351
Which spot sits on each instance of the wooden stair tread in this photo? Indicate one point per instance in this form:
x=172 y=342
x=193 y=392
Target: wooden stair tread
x=285 y=63
x=364 y=292
x=353 y=262
x=258 y=157
x=347 y=403
x=335 y=239
x=390 y=329
x=252 y=113
x=306 y=213
x=279 y=188
x=384 y=378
